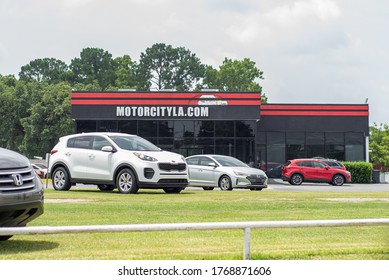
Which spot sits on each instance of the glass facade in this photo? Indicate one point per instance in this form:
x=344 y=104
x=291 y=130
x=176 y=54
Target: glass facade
x=187 y=137
x=274 y=148
x=239 y=139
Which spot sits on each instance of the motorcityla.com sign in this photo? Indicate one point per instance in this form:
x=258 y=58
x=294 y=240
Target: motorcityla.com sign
x=162 y=111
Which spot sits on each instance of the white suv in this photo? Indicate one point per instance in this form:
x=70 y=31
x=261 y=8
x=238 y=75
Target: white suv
x=111 y=160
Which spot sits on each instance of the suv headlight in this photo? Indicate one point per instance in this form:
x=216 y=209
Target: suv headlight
x=145 y=157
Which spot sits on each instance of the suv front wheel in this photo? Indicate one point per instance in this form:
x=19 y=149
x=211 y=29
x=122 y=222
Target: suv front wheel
x=61 y=179
x=338 y=180
x=126 y=182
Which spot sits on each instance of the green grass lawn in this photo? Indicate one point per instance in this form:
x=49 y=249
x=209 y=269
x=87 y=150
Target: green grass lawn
x=82 y=206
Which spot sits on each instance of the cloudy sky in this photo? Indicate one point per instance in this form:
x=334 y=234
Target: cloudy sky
x=311 y=51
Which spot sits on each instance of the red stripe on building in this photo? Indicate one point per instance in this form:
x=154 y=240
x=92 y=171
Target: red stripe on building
x=167 y=95
x=316 y=107
x=315 y=113
x=151 y=102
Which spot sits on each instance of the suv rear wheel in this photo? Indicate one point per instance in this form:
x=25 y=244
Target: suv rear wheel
x=296 y=179
x=126 y=182
x=61 y=179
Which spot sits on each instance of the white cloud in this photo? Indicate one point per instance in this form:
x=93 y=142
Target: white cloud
x=303 y=10
x=75 y=3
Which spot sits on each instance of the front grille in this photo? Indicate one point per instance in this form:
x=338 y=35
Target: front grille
x=9 y=179
x=257 y=179
x=173 y=181
x=166 y=166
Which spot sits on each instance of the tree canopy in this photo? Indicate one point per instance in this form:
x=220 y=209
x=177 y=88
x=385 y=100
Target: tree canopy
x=94 y=65
x=164 y=67
x=49 y=70
x=234 y=75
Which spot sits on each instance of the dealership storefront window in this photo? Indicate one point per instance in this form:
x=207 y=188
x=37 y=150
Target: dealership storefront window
x=234 y=138
x=274 y=148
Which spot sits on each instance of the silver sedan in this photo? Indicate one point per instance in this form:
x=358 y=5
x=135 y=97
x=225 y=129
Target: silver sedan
x=225 y=172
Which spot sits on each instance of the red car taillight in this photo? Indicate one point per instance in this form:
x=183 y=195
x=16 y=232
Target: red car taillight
x=52 y=152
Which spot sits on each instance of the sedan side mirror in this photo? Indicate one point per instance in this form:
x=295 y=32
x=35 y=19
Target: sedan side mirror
x=212 y=164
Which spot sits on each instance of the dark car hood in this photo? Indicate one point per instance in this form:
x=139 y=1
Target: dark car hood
x=11 y=159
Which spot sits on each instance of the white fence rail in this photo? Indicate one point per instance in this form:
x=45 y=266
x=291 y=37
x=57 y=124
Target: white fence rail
x=246 y=226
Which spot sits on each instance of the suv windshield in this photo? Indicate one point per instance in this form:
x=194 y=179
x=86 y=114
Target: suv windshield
x=134 y=143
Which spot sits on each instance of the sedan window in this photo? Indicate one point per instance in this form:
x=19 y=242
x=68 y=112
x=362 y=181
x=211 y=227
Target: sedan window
x=193 y=161
x=230 y=161
x=206 y=161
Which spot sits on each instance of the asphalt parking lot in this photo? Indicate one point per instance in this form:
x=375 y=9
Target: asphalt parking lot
x=279 y=185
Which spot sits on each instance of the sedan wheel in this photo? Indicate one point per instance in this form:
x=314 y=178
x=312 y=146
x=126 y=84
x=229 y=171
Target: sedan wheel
x=338 y=180
x=126 y=182
x=225 y=183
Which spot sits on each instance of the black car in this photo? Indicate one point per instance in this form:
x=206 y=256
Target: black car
x=275 y=171
x=21 y=191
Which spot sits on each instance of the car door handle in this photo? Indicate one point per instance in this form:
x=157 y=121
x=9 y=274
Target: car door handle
x=68 y=154
x=91 y=156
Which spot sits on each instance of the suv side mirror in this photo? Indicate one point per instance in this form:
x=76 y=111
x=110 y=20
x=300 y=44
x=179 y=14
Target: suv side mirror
x=108 y=149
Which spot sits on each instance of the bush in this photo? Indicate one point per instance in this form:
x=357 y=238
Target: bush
x=361 y=172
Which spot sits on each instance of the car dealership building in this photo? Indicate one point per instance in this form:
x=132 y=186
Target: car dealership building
x=229 y=123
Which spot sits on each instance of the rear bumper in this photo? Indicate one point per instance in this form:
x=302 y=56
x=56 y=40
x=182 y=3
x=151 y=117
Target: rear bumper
x=285 y=178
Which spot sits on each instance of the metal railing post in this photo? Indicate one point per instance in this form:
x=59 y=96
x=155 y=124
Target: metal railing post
x=246 y=243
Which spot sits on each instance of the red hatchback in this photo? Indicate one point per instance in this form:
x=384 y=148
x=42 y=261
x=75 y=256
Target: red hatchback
x=298 y=171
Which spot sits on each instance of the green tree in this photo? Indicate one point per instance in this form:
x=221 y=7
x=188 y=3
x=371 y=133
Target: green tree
x=94 y=65
x=7 y=119
x=379 y=145
x=234 y=75
x=49 y=118
x=126 y=72
x=15 y=99
x=48 y=70
x=165 y=67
